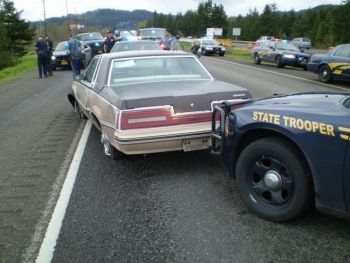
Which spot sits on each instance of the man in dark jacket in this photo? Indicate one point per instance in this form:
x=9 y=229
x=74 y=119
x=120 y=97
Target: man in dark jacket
x=49 y=45
x=108 y=43
x=41 y=51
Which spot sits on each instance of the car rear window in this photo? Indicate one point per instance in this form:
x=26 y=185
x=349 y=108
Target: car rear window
x=154 y=69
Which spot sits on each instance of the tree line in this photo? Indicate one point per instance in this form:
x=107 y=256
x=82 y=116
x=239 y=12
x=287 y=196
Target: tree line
x=326 y=25
x=15 y=34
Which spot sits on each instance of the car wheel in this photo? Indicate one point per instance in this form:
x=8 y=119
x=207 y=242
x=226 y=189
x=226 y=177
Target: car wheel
x=279 y=62
x=222 y=54
x=273 y=180
x=78 y=110
x=325 y=74
x=108 y=148
x=257 y=60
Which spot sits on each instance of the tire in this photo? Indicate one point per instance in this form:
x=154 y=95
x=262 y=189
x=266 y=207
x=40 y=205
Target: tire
x=279 y=62
x=222 y=54
x=273 y=180
x=108 y=148
x=257 y=60
x=325 y=74
x=78 y=110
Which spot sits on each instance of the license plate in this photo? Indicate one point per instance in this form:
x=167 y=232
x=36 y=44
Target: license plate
x=303 y=62
x=64 y=63
x=196 y=144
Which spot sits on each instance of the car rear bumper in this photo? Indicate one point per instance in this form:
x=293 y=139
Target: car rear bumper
x=181 y=137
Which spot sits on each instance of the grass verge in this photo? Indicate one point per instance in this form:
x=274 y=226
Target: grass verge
x=25 y=64
x=233 y=52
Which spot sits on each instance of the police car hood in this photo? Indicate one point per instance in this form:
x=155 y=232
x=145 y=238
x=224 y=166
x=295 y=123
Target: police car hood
x=305 y=101
x=60 y=53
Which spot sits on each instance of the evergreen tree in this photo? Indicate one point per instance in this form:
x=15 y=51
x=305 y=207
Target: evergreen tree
x=18 y=31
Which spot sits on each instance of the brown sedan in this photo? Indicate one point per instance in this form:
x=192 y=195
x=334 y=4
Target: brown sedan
x=150 y=101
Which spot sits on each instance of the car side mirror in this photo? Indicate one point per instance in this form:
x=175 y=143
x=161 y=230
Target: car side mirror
x=271 y=47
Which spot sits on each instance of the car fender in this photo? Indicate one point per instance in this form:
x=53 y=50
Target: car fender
x=252 y=131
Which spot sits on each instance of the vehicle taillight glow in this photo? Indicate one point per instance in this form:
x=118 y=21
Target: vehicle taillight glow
x=151 y=118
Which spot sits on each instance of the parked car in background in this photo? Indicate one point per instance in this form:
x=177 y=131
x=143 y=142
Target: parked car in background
x=94 y=40
x=281 y=53
x=302 y=42
x=135 y=45
x=288 y=153
x=263 y=39
x=61 y=59
x=150 y=101
x=207 y=46
x=332 y=66
x=152 y=33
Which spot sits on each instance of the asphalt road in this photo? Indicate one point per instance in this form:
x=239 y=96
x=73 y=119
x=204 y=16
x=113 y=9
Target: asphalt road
x=169 y=207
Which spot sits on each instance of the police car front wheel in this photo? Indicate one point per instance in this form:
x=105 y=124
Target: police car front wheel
x=273 y=179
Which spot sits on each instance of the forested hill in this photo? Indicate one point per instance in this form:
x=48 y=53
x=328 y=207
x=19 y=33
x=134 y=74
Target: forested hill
x=104 y=18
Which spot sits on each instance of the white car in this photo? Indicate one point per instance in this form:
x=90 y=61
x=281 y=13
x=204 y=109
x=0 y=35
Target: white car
x=262 y=39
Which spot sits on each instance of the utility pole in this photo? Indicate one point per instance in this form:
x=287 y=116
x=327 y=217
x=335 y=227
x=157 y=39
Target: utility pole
x=67 y=17
x=44 y=18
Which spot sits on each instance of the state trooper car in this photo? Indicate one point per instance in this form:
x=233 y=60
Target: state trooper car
x=287 y=152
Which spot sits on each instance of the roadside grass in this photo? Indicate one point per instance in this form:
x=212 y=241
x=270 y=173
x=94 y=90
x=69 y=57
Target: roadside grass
x=25 y=64
x=239 y=53
x=233 y=52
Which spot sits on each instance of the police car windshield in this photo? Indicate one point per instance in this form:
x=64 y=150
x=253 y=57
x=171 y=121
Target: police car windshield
x=90 y=36
x=285 y=46
x=209 y=42
x=152 y=33
x=135 y=45
x=61 y=46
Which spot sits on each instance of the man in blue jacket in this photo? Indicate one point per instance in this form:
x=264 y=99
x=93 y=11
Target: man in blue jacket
x=74 y=47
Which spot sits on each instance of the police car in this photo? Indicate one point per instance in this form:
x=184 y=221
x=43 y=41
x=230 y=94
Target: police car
x=287 y=153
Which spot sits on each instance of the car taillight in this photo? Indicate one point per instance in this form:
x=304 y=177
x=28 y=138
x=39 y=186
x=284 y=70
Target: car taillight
x=151 y=118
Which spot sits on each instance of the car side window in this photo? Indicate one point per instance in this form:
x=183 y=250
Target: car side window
x=342 y=52
x=89 y=75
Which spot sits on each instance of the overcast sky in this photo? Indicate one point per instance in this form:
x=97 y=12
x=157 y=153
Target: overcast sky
x=33 y=9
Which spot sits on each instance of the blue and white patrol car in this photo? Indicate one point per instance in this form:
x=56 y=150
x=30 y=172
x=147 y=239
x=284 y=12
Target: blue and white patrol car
x=288 y=152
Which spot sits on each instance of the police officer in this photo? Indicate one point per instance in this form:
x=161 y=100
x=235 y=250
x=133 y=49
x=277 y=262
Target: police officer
x=49 y=45
x=108 y=43
x=41 y=51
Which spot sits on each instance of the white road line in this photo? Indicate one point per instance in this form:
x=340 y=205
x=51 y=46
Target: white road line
x=48 y=246
x=282 y=74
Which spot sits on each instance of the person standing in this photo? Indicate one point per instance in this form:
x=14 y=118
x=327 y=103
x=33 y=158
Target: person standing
x=167 y=40
x=49 y=45
x=41 y=51
x=74 y=47
x=108 y=43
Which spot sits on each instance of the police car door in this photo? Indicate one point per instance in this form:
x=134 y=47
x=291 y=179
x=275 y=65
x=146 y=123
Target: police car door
x=347 y=175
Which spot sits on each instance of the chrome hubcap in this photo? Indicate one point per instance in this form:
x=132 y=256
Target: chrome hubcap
x=324 y=74
x=272 y=180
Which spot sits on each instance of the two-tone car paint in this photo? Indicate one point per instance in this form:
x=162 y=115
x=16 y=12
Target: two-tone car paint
x=317 y=125
x=332 y=66
x=171 y=115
